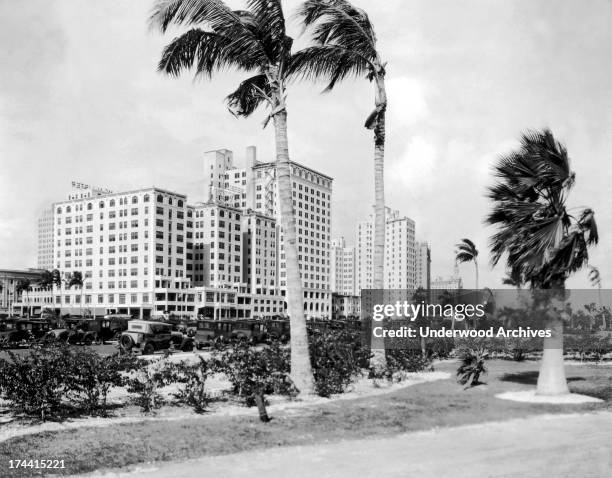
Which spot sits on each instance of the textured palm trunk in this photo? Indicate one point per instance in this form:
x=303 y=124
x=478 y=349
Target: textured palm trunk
x=379 y=360
x=476 y=268
x=551 y=379
x=301 y=370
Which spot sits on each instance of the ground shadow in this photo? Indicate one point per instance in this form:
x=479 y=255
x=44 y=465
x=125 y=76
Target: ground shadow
x=529 y=378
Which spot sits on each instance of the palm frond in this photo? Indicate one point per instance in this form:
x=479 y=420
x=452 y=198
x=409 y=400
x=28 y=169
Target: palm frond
x=327 y=61
x=249 y=95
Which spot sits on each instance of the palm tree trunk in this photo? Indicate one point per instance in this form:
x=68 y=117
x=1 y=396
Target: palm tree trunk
x=476 y=267
x=378 y=359
x=301 y=369
x=551 y=379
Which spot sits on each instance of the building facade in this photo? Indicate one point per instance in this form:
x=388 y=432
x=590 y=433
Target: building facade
x=45 y=240
x=423 y=266
x=400 y=253
x=342 y=267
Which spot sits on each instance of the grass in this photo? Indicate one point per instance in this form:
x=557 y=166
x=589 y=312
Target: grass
x=420 y=407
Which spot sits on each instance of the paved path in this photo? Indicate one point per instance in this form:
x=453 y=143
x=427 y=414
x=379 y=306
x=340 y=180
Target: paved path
x=577 y=446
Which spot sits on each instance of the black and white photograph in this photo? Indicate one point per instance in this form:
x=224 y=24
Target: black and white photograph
x=307 y=238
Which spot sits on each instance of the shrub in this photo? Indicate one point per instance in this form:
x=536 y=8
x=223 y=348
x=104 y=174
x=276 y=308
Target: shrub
x=37 y=381
x=257 y=372
x=337 y=356
x=472 y=366
x=146 y=381
x=194 y=376
x=91 y=376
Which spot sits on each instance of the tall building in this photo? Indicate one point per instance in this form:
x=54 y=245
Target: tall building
x=252 y=186
x=342 y=266
x=45 y=240
x=400 y=252
x=423 y=265
x=450 y=283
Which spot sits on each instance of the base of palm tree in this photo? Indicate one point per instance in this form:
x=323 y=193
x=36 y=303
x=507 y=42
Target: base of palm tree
x=530 y=396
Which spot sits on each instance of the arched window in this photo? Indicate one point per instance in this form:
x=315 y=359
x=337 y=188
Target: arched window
x=160 y=198
x=134 y=199
x=68 y=209
x=59 y=210
x=89 y=206
x=146 y=198
x=101 y=204
x=112 y=203
x=180 y=203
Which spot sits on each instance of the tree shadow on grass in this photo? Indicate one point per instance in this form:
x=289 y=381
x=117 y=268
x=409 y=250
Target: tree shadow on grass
x=529 y=378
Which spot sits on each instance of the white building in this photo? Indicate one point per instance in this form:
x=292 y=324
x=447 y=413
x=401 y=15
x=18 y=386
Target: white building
x=252 y=186
x=342 y=263
x=423 y=265
x=45 y=240
x=400 y=252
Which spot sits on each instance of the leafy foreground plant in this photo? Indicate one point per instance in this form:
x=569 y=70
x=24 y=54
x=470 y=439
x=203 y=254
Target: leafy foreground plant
x=255 y=373
x=146 y=381
x=472 y=366
x=194 y=376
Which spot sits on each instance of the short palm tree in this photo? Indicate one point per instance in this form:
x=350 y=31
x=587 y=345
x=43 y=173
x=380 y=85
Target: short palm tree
x=536 y=234
x=46 y=280
x=344 y=44
x=467 y=252
x=595 y=278
x=24 y=286
x=76 y=280
x=56 y=276
x=253 y=41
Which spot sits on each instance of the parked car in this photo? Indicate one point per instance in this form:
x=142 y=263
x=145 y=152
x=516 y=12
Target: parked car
x=22 y=332
x=151 y=336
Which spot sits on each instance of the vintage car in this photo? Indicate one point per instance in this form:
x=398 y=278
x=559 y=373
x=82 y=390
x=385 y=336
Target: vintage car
x=151 y=336
x=22 y=332
x=86 y=331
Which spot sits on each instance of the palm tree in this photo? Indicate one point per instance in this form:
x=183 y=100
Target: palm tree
x=467 y=252
x=513 y=278
x=344 y=44
x=46 y=280
x=254 y=41
x=537 y=235
x=56 y=276
x=76 y=280
x=595 y=278
x=24 y=285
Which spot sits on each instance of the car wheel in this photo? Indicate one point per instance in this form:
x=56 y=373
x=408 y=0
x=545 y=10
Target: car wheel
x=148 y=349
x=187 y=346
x=126 y=342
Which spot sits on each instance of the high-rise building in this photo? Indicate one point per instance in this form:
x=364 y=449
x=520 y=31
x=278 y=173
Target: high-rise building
x=253 y=186
x=423 y=266
x=400 y=252
x=45 y=240
x=342 y=266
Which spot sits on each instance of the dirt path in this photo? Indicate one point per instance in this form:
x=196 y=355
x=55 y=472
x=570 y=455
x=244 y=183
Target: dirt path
x=544 y=446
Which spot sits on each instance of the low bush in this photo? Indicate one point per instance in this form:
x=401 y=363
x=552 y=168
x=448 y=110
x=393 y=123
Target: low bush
x=36 y=382
x=337 y=357
x=194 y=377
x=146 y=381
x=255 y=373
x=472 y=366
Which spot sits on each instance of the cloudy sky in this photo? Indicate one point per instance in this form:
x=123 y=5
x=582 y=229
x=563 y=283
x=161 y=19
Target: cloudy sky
x=80 y=99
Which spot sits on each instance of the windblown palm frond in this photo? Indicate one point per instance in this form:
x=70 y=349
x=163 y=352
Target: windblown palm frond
x=466 y=251
x=543 y=244
x=249 y=95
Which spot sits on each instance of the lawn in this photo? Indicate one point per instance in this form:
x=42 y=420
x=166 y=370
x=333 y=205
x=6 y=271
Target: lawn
x=420 y=407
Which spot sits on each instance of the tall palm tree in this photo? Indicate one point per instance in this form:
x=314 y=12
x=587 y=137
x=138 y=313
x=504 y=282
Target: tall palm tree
x=76 y=280
x=24 y=285
x=537 y=235
x=513 y=278
x=344 y=44
x=46 y=280
x=254 y=41
x=467 y=252
x=595 y=278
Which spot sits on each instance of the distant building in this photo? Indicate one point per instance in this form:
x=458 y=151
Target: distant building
x=45 y=240
x=10 y=300
x=423 y=266
x=450 y=283
x=400 y=254
x=342 y=262
x=344 y=306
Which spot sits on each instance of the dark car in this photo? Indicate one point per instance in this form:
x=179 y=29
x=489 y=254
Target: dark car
x=151 y=336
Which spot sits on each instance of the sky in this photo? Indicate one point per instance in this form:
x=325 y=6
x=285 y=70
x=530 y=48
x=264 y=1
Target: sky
x=80 y=99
